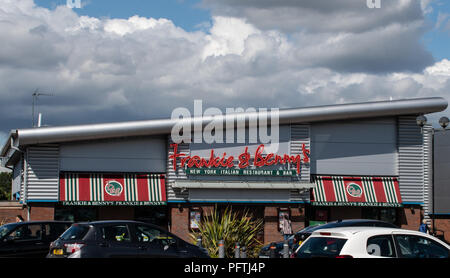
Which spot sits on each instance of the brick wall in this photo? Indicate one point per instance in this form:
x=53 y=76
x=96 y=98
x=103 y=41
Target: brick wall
x=271 y=232
x=42 y=212
x=9 y=210
x=443 y=228
x=179 y=221
x=410 y=217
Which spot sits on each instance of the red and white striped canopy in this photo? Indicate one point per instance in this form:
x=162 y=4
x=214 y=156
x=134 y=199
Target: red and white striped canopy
x=112 y=189
x=356 y=191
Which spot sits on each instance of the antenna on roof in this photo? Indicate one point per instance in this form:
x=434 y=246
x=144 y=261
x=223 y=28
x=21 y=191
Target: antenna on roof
x=35 y=95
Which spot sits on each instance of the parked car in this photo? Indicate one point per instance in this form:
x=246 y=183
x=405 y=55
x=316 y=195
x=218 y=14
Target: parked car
x=108 y=239
x=29 y=239
x=370 y=242
x=295 y=240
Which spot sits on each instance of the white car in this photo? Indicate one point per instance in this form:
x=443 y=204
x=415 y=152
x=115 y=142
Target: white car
x=372 y=242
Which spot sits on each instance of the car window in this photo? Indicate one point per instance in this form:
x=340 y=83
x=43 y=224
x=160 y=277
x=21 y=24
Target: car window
x=54 y=230
x=5 y=229
x=382 y=246
x=411 y=246
x=152 y=235
x=27 y=232
x=321 y=247
x=75 y=232
x=117 y=233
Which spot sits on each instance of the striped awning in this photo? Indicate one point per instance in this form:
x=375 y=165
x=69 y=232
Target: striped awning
x=356 y=191
x=112 y=189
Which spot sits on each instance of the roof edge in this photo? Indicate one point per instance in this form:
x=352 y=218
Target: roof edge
x=286 y=116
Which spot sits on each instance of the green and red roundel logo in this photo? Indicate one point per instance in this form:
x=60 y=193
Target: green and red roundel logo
x=354 y=190
x=113 y=188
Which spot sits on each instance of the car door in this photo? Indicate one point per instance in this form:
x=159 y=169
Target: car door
x=116 y=242
x=26 y=241
x=156 y=243
x=414 y=246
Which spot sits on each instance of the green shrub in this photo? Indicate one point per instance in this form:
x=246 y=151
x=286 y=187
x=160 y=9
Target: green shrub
x=232 y=227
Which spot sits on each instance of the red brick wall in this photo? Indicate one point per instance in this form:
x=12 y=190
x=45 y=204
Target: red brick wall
x=179 y=222
x=443 y=228
x=410 y=217
x=9 y=210
x=42 y=212
x=271 y=232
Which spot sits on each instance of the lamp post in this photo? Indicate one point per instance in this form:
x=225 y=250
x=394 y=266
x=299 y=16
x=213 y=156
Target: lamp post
x=421 y=121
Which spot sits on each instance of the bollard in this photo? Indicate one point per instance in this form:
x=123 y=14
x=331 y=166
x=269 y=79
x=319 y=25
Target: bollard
x=236 y=250
x=221 y=249
x=285 y=249
x=199 y=241
x=244 y=252
x=272 y=250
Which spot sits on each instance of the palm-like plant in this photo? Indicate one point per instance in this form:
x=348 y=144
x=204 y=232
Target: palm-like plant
x=231 y=227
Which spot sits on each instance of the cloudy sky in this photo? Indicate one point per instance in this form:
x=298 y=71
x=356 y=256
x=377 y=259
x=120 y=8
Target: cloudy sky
x=110 y=61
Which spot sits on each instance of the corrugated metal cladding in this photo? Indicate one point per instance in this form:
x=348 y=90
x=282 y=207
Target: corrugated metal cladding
x=172 y=193
x=42 y=173
x=300 y=134
x=428 y=170
x=294 y=135
x=413 y=160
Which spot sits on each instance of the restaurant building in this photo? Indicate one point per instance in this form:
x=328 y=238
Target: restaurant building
x=363 y=160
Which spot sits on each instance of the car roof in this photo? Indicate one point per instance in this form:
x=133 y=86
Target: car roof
x=353 y=230
x=41 y=222
x=345 y=222
x=349 y=231
x=105 y=222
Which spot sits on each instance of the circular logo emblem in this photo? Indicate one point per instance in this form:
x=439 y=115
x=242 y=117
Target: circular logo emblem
x=113 y=188
x=354 y=190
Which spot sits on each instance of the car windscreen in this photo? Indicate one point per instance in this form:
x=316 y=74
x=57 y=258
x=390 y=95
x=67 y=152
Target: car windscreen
x=75 y=232
x=5 y=229
x=321 y=247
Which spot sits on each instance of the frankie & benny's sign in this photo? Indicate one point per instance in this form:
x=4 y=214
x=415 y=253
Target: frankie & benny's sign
x=244 y=160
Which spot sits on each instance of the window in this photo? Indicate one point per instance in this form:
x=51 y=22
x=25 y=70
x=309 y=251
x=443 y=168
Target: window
x=116 y=233
x=382 y=246
x=54 y=230
x=27 y=232
x=153 y=236
x=411 y=246
x=321 y=247
x=75 y=232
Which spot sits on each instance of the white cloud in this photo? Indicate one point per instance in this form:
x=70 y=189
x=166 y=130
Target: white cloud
x=102 y=69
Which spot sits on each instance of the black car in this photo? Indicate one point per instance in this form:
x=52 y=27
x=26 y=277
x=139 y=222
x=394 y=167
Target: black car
x=303 y=234
x=114 y=239
x=29 y=239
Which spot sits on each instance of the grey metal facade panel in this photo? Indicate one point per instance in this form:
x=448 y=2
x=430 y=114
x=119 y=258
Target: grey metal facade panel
x=442 y=172
x=357 y=147
x=411 y=164
x=142 y=154
x=42 y=178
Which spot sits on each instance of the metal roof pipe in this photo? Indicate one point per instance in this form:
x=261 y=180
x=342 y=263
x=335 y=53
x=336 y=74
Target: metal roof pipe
x=286 y=116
